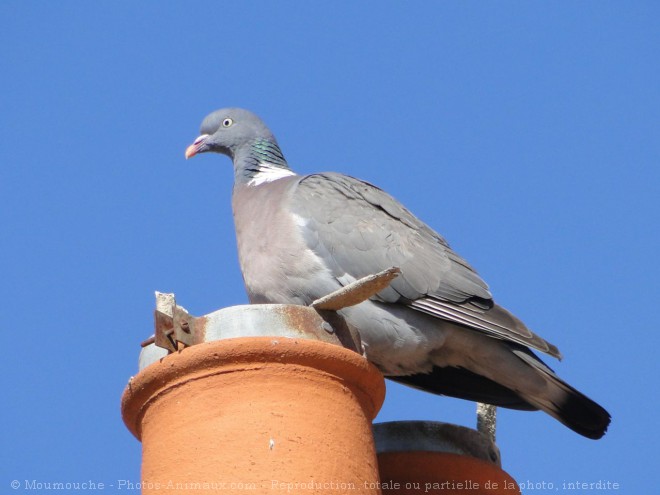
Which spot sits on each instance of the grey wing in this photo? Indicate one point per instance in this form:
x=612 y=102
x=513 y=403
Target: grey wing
x=359 y=230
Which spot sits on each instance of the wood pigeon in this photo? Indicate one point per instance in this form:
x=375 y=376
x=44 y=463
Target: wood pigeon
x=436 y=327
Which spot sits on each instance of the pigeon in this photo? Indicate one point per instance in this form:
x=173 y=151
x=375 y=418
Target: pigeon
x=435 y=328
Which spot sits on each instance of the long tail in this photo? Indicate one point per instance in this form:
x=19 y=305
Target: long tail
x=565 y=403
x=512 y=376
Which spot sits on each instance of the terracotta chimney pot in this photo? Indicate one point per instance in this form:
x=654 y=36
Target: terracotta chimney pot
x=258 y=415
x=438 y=458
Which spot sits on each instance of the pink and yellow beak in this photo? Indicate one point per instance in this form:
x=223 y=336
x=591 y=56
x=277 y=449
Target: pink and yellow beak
x=194 y=148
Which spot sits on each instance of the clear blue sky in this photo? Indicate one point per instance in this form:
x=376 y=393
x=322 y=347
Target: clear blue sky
x=527 y=133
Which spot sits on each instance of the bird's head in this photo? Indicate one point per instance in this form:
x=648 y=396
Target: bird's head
x=228 y=131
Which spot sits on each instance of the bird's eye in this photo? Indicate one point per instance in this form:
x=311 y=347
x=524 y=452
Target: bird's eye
x=227 y=122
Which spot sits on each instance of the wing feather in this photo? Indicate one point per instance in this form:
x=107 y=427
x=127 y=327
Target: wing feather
x=359 y=230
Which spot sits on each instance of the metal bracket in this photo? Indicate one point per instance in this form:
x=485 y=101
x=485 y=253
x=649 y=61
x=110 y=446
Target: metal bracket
x=174 y=330
x=173 y=325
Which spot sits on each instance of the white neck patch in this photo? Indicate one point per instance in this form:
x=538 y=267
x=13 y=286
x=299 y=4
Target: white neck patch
x=269 y=173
